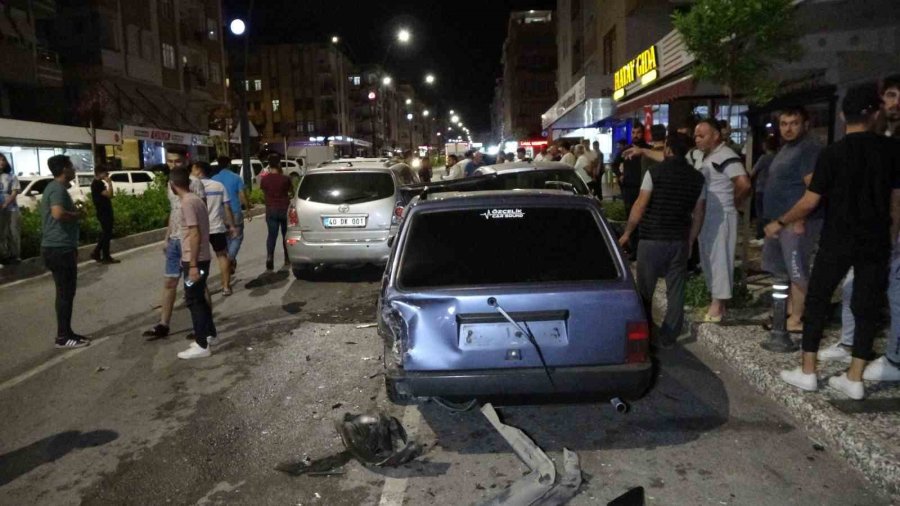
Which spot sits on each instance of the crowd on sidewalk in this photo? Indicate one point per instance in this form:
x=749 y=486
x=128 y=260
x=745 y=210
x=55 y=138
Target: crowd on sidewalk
x=829 y=214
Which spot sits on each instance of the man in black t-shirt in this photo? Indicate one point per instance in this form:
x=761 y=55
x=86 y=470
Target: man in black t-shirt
x=101 y=194
x=628 y=172
x=858 y=180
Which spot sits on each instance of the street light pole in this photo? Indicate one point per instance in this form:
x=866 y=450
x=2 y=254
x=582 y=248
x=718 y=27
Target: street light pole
x=244 y=119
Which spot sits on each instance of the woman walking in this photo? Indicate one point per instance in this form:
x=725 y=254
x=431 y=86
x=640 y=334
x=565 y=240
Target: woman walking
x=278 y=191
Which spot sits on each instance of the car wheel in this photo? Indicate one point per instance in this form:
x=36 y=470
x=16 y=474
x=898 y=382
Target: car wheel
x=395 y=396
x=300 y=271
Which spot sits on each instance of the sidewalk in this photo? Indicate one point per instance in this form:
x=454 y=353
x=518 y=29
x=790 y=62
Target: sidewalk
x=864 y=433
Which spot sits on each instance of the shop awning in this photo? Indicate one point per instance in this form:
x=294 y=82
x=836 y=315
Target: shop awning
x=31 y=132
x=682 y=87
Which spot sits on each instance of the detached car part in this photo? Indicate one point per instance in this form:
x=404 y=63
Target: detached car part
x=377 y=439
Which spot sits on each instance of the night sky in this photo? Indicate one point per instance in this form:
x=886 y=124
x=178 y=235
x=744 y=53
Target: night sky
x=459 y=41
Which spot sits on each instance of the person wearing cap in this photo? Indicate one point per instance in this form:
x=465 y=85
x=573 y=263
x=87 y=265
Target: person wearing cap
x=858 y=180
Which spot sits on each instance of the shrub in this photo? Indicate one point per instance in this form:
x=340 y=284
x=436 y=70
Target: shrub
x=615 y=210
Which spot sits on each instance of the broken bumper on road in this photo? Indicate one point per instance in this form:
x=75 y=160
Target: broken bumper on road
x=629 y=381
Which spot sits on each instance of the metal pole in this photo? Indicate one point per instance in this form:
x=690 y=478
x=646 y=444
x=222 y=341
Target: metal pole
x=245 y=120
x=372 y=117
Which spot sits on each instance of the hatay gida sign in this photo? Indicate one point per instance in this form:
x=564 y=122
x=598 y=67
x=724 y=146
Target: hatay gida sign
x=640 y=71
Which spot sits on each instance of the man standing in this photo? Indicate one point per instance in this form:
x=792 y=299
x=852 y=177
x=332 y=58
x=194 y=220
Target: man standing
x=568 y=157
x=10 y=219
x=221 y=220
x=425 y=171
x=543 y=155
x=628 y=172
x=237 y=198
x=176 y=158
x=59 y=247
x=669 y=210
x=476 y=162
x=455 y=168
x=278 y=191
x=195 y=260
x=582 y=164
x=889 y=120
x=102 y=192
x=858 y=178
x=727 y=186
x=788 y=256
x=521 y=156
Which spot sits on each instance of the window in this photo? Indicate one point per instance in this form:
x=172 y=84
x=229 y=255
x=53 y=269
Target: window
x=168 y=55
x=609 y=51
x=346 y=187
x=247 y=85
x=212 y=28
x=528 y=245
x=141 y=177
x=355 y=80
x=257 y=85
x=310 y=126
x=166 y=7
x=215 y=73
x=276 y=105
x=119 y=178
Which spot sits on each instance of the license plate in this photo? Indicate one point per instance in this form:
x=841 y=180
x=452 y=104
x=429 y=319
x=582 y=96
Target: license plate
x=502 y=335
x=345 y=222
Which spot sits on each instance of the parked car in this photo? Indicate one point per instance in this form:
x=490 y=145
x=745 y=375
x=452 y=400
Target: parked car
x=510 y=293
x=343 y=215
x=31 y=188
x=236 y=165
x=350 y=162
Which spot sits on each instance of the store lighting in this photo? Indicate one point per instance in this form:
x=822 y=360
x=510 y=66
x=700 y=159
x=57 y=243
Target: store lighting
x=619 y=94
x=649 y=77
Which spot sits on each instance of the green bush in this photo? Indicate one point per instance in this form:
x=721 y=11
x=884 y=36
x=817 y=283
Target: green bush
x=256 y=196
x=697 y=295
x=133 y=214
x=615 y=210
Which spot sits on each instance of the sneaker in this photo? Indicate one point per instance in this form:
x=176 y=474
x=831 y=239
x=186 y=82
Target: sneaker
x=212 y=341
x=194 y=351
x=72 y=342
x=852 y=389
x=881 y=370
x=797 y=378
x=158 y=332
x=835 y=353
x=111 y=260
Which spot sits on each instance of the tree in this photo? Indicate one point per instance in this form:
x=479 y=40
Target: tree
x=91 y=109
x=736 y=43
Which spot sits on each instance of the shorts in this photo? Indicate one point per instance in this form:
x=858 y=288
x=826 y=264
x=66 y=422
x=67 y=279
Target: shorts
x=173 y=258
x=219 y=243
x=789 y=256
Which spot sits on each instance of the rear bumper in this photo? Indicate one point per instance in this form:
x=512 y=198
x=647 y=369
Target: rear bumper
x=629 y=381
x=300 y=252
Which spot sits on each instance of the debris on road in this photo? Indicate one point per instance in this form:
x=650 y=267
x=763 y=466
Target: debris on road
x=634 y=497
x=371 y=439
x=367 y=326
x=540 y=486
x=337 y=405
x=101 y=368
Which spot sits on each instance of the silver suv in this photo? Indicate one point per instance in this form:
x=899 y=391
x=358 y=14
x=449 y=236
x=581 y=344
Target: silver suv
x=343 y=215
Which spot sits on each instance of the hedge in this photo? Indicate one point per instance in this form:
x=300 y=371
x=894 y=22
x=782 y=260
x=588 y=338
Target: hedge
x=133 y=214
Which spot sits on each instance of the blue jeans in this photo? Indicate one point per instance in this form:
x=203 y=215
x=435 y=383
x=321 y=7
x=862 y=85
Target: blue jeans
x=848 y=324
x=234 y=243
x=276 y=220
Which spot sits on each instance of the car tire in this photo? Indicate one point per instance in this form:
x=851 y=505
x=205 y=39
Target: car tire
x=301 y=271
x=395 y=396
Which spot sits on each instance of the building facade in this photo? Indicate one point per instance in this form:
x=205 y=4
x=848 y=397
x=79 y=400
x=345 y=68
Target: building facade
x=529 y=73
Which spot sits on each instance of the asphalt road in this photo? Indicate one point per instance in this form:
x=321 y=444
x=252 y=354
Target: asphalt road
x=126 y=422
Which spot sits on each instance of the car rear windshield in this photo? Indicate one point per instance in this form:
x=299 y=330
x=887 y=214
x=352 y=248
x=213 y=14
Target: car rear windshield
x=542 y=180
x=492 y=246
x=346 y=187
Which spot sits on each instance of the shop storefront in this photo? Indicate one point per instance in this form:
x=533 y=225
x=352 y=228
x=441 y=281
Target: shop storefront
x=143 y=147
x=582 y=113
x=28 y=145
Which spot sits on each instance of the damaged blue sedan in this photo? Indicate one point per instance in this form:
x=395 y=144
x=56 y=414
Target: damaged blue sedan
x=510 y=293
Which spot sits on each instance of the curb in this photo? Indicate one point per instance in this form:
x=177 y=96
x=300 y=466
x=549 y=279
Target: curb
x=31 y=267
x=868 y=448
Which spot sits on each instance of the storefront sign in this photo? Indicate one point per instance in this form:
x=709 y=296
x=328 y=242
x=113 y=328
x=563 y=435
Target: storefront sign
x=637 y=68
x=574 y=97
x=152 y=134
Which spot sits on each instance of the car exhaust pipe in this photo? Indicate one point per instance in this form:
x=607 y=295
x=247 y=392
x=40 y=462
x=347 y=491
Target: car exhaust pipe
x=620 y=405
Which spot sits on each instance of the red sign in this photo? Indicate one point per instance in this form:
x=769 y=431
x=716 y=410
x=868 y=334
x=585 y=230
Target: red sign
x=648 y=122
x=526 y=144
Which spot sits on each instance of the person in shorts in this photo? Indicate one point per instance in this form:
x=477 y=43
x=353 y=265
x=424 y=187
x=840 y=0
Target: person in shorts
x=221 y=220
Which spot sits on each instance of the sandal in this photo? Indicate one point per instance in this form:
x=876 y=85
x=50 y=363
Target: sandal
x=708 y=318
x=226 y=292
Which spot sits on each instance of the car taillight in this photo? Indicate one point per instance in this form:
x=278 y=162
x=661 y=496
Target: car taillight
x=293 y=221
x=398 y=214
x=638 y=342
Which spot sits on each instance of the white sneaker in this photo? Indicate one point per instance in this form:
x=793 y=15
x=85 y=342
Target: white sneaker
x=835 y=353
x=795 y=377
x=757 y=242
x=212 y=341
x=195 y=351
x=852 y=389
x=881 y=370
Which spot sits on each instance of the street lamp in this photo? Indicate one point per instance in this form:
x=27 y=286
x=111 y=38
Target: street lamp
x=238 y=27
x=335 y=39
x=452 y=112
x=454 y=119
x=372 y=97
x=425 y=113
x=409 y=118
x=387 y=81
x=404 y=35
x=408 y=101
x=429 y=79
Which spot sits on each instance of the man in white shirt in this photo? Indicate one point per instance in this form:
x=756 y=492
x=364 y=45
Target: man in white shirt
x=582 y=164
x=221 y=220
x=455 y=169
x=568 y=157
